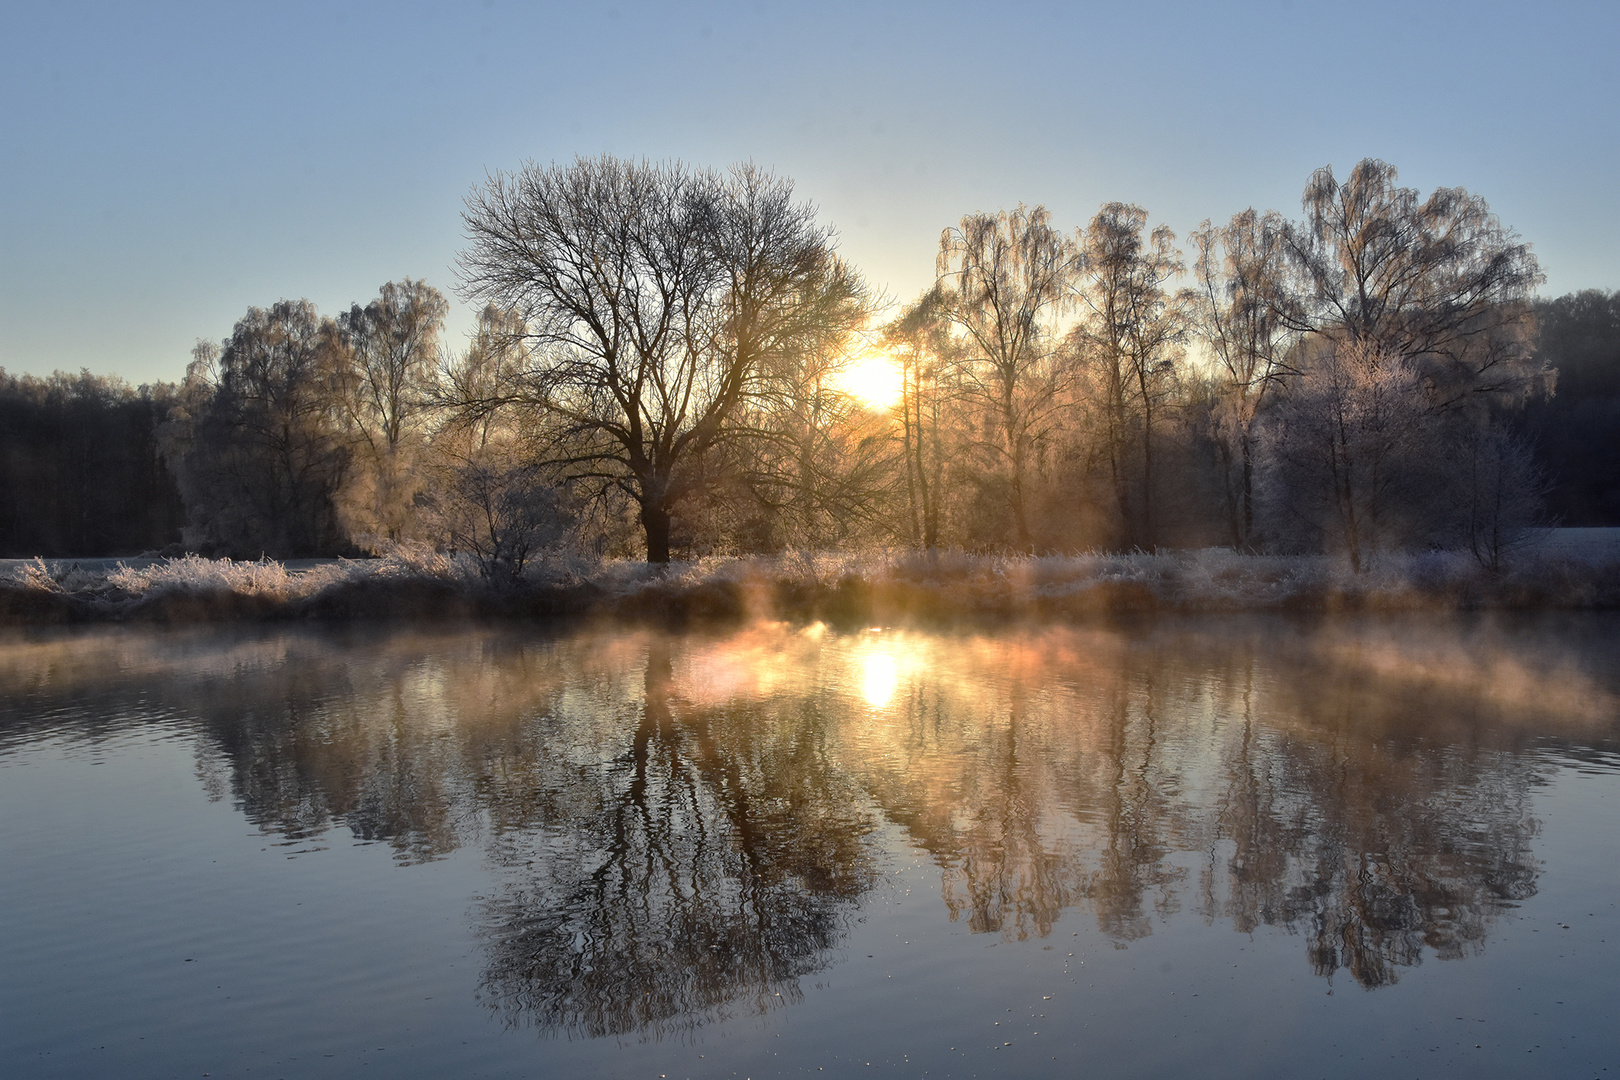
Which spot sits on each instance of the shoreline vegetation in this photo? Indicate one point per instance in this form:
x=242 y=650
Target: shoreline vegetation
x=1580 y=571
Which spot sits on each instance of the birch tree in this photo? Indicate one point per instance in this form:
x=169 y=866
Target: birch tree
x=1242 y=307
x=1002 y=278
x=1438 y=281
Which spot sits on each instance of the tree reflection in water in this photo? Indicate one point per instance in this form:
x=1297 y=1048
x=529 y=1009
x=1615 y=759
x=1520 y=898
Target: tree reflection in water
x=682 y=826
x=1132 y=776
x=708 y=864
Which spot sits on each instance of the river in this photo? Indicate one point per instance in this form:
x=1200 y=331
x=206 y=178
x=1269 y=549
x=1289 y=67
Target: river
x=1213 y=846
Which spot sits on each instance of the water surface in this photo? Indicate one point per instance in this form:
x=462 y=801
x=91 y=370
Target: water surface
x=1214 y=847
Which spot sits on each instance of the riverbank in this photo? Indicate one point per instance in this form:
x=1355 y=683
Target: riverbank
x=1573 y=569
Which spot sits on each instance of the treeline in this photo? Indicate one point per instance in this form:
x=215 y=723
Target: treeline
x=80 y=469
x=1339 y=383
x=1576 y=431
x=656 y=369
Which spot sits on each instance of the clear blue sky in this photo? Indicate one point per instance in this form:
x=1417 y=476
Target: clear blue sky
x=164 y=167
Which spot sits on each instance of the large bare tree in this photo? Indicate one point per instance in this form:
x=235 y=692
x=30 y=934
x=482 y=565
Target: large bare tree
x=1434 y=295
x=656 y=301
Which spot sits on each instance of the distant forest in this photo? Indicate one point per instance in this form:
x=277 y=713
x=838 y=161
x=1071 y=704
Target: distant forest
x=655 y=372
x=1575 y=431
x=82 y=471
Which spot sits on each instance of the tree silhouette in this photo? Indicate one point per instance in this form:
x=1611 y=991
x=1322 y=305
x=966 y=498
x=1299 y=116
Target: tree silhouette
x=656 y=301
x=1130 y=341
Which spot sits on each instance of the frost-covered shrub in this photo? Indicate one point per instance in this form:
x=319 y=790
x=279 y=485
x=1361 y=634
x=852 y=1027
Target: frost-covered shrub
x=198 y=575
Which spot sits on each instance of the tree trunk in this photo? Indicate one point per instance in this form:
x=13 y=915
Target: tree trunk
x=933 y=486
x=655 y=519
x=1233 y=496
x=913 y=447
x=1015 y=460
x=1152 y=544
x=1248 y=491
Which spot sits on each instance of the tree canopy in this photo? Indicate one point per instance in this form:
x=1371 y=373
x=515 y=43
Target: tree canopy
x=656 y=301
x=674 y=361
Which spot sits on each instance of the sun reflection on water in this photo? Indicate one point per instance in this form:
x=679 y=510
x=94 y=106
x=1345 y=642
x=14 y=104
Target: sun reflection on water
x=880 y=677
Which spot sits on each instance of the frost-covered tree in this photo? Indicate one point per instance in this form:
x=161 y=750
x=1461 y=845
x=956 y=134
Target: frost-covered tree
x=657 y=301
x=1130 y=343
x=258 y=437
x=1437 y=281
x=1241 y=308
x=1001 y=279
x=1418 y=342
x=1352 y=452
x=1496 y=497
x=387 y=352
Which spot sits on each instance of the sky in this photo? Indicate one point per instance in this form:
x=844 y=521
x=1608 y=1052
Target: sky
x=164 y=167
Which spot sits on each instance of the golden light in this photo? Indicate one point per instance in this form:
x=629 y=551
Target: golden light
x=880 y=677
x=873 y=379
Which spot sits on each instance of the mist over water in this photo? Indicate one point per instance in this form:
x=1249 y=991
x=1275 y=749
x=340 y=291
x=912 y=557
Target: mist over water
x=615 y=849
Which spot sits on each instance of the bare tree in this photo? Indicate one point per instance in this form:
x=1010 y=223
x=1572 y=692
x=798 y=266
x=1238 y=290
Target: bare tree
x=656 y=301
x=1243 y=302
x=394 y=342
x=825 y=469
x=488 y=491
x=1499 y=491
x=1353 y=453
x=468 y=389
x=1438 y=281
x=920 y=340
x=501 y=509
x=1131 y=338
x=1418 y=311
x=258 y=437
x=1002 y=277
x=390 y=347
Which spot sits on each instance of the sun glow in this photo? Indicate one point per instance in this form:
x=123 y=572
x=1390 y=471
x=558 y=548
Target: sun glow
x=874 y=380
x=880 y=678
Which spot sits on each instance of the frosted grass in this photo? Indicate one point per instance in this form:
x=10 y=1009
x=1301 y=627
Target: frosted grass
x=884 y=585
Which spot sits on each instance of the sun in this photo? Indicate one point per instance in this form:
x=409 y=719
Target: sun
x=874 y=380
